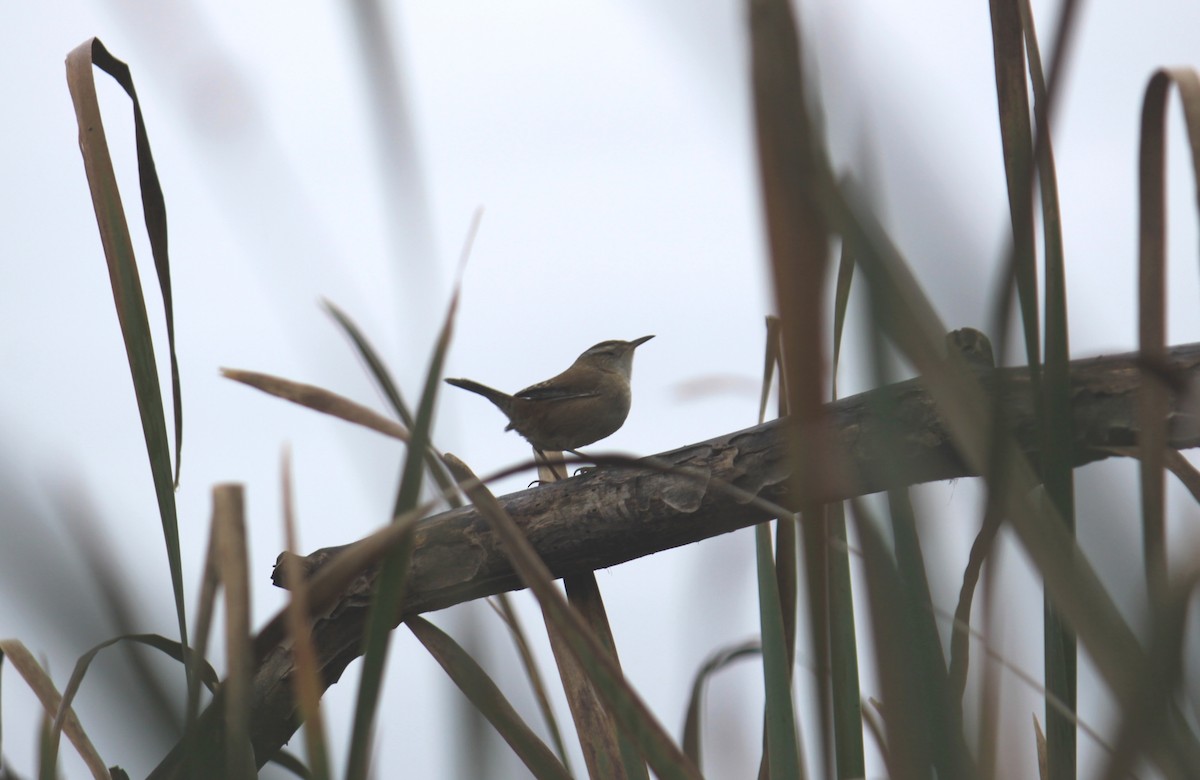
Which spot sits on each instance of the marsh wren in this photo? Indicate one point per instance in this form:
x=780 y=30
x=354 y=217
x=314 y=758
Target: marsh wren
x=582 y=405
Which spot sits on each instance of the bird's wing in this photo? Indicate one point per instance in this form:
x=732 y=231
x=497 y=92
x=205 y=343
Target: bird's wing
x=555 y=390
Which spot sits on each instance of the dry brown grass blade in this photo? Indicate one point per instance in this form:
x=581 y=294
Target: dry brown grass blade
x=793 y=175
x=1039 y=738
x=960 y=651
x=229 y=528
x=1181 y=467
x=42 y=686
x=595 y=729
x=308 y=684
x=597 y=732
x=663 y=755
x=1029 y=680
x=1152 y=261
x=502 y=604
x=210 y=581
x=872 y=718
x=319 y=399
x=770 y=360
x=350 y=563
x=226 y=565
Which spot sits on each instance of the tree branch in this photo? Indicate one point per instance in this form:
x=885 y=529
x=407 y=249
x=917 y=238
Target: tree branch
x=887 y=437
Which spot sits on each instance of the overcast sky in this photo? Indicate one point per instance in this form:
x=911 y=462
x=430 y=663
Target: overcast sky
x=610 y=146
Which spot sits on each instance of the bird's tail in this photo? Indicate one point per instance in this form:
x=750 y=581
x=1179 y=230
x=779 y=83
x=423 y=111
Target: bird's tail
x=501 y=400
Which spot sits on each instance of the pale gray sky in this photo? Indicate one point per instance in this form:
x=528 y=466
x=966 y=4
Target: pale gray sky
x=610 y=145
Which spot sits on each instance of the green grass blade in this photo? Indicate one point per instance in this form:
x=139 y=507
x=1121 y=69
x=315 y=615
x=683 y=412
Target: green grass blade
x=695 y=710
x=47 y=750
x=387 y=385
x=1057 y=474
x=786 y=561
x=169 y=647
x=783 y=745
x=845 y=693
x=841 y=303
x=375 y=364
x=906 y=707
x=922 y=659
x=1013 y=101
x=474 y=682
x=849 y=754
x=390 y=587
x=126 y=286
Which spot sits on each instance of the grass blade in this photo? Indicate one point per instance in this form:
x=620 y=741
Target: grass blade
x=606 y=752
x=308 y=685
x=783 y=746
x=292 y=764
x=695 y=709
x=204 y=671
x=229 y=525
x=474 y=682
x=770 y=361
x=1152 y=201
x=1057 y=474
x=503 y=605
x=631 y=714
x=1013 y=103
x=43 y=687
x=849 y=754
x=389 y=590
x=605 y=748
x=375 y=364
x=793 y=175
x=845 y=693
x=909 y=745
x=126 y=286
x=319 y=399
x=960 y=644
x=1071 y=582
x=383 y=380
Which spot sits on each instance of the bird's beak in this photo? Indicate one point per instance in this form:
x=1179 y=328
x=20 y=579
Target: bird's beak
x=639 y=342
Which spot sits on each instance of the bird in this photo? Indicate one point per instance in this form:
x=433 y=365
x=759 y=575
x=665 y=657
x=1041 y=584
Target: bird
x=582 y=405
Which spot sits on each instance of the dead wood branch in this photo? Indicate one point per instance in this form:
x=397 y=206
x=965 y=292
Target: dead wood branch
x=887 y=437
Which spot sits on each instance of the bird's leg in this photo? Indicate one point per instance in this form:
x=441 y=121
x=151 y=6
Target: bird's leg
x=551 y=467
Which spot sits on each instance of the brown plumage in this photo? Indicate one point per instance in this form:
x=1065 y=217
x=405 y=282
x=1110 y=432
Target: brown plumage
x=582 y=405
